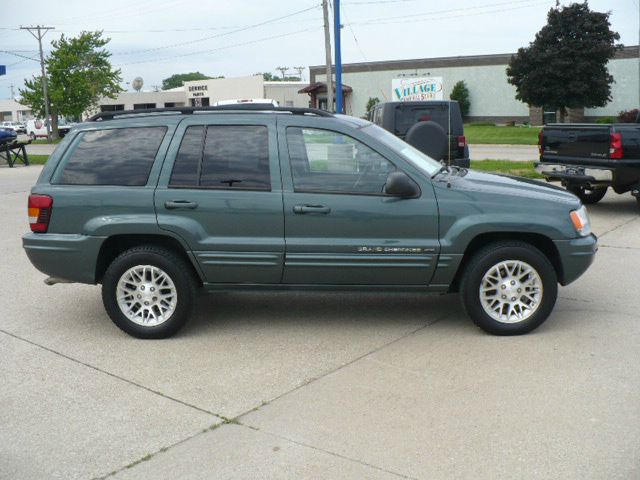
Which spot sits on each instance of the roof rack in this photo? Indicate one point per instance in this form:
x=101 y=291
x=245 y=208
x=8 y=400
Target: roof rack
x=255 y=107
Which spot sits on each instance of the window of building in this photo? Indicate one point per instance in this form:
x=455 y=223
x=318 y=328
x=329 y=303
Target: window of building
x=200 y=102
x=227 y=157
x=122 y=156
x=142 y=106
x=111 y=108
x=326 y=161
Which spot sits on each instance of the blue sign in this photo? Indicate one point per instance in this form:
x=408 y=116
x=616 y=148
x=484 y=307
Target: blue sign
x=3 y=70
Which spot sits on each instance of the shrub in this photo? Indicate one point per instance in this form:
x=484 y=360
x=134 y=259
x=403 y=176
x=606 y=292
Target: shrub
x=629 y=116
x=607 y=120
x=460 y=93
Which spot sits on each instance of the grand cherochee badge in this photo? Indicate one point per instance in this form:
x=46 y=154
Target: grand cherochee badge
x=394 y=250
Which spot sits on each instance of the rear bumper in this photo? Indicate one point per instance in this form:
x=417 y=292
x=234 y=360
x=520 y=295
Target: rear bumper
x=576 y=256
x=574 y=173
x=461 y=162
x=64 y=256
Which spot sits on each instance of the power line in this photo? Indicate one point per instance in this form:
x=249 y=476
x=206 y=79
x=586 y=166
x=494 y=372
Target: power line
x=18 y=55
x=200 y=52
x=451 y=10
x=388 y=21
x=210 y=37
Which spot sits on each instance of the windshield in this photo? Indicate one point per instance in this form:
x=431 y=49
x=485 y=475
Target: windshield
x=411 y=154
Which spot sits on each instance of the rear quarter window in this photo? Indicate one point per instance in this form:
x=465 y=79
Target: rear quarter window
x=118 y=156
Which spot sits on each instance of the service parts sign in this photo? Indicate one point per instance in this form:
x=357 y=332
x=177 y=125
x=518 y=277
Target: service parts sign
x=413 y=89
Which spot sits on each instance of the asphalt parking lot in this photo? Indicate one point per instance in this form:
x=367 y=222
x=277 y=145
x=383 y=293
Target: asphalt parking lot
x=301 y=385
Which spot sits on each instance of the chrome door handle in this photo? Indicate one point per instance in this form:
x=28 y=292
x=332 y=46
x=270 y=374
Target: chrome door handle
x=173 y=204
x=302 y=209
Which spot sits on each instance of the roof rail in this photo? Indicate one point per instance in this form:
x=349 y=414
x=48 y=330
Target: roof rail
x=255 y=107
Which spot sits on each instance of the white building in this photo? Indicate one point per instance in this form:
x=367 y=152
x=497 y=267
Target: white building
x=492 y=96
x=12 y=111
x=207 y=92
x=139 y=100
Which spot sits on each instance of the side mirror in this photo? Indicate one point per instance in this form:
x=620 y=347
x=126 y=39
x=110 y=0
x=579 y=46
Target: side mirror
x=400 y=185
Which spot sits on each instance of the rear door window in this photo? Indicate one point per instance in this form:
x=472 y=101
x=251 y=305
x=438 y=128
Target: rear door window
x=232 y=157
x=119 y=156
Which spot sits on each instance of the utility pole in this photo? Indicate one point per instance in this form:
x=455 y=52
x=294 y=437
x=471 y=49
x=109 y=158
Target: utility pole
x=13 y=95
x=41 y=32
x=327 y=49
x=299 y=70
x=336 y=36
x=283 y=72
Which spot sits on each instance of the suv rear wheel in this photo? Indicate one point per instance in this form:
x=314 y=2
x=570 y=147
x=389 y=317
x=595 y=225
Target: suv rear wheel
x=148 y=292
x=509 y=288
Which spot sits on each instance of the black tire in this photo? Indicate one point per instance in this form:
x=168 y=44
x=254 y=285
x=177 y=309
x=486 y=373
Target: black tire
x=176 y=269
x=487 y=258
x=588 y=196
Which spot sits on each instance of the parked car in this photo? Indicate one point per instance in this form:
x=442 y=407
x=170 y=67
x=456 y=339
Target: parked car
x=155 y=205
x=400 y=117
x=15 y=126
x=37 y=128
x=7 y=135
x=587 y=159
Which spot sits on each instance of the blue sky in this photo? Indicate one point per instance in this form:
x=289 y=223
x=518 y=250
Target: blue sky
x=156 y=38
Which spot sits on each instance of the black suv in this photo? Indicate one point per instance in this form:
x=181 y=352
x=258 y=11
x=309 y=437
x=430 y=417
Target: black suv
x=400 y=117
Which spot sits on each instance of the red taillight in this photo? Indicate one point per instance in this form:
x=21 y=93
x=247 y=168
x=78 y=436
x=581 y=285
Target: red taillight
x=615 y=146
x=462 y=141
x=540 y=149
x=40 y=207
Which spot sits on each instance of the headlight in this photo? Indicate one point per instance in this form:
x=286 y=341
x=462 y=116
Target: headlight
x=580 y=220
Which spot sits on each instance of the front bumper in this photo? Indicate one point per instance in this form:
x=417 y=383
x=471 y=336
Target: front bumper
x=574 y=173
x=64 y=256
x=576 y=256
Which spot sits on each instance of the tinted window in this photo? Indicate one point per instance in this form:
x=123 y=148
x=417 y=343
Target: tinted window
x=236 y=156
x=326 y=161
x=187 y=164
x=122 y=156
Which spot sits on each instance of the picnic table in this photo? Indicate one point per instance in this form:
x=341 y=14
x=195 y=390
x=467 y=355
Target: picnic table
x=13 y=152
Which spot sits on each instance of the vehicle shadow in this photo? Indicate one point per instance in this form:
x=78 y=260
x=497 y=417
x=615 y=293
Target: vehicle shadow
x=616 y=204
x=224 y=310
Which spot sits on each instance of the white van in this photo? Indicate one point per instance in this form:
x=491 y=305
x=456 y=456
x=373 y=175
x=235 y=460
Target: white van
x=37 y=128
x=266 y=101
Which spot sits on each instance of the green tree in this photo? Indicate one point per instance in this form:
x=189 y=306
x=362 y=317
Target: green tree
x=460 y=93
x=566 y=64
x=178 y=79
x=372 y=102
x=79 y=73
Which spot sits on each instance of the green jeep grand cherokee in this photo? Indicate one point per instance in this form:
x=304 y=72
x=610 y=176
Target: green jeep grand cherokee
x=155 y=204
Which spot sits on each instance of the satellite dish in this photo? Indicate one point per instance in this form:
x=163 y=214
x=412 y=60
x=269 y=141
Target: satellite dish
x=137 y=84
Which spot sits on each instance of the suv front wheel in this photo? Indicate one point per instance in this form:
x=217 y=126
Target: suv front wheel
x=148 y=292
x=509 y=288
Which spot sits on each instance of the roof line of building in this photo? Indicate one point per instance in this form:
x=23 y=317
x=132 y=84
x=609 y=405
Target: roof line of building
x=440 y=62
